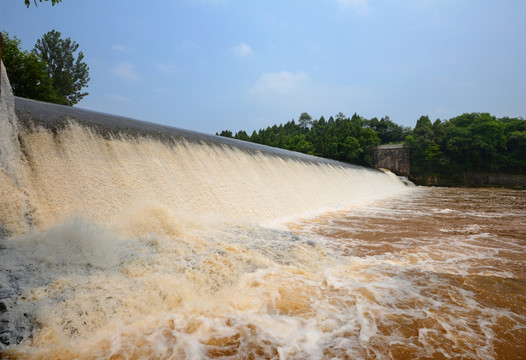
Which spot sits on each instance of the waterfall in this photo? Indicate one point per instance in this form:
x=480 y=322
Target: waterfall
x=108 y=222
x=60 y=161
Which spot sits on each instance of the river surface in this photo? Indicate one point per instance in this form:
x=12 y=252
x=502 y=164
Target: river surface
x=429 y=273
x=439 y=273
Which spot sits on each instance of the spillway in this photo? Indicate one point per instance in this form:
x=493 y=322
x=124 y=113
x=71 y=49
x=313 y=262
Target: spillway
x=58 y=161
x=127 y=239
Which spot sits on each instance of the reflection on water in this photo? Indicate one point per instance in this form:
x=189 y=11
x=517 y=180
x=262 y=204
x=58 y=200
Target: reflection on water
x=430 y=274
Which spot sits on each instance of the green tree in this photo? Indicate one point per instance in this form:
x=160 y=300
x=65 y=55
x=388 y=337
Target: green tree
x=424 y=147
x=516 y=146
x=387 y=130
x=254 y=137
x=27 y=73
x=475 y=141
x=515 y=156
x=69 y=75
x=242 y=135
x=305 y=120
x=53 y=2
x=225 y=133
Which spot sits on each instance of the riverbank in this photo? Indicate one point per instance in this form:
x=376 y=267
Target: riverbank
x=468 y=179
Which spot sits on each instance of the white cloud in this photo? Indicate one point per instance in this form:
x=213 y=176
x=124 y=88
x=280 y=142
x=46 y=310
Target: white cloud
x=118 y=98
x=125 y=71
x=361 y=7
x=242 y=50
x=280 y=83
x=122 y=48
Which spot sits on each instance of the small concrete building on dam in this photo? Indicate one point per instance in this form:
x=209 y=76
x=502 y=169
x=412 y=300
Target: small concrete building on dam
x=393 y=157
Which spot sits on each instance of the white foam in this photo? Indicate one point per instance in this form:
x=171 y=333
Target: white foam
x=75 y=242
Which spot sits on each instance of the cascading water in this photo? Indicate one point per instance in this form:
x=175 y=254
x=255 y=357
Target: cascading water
x=111 y=225
x=97 y=165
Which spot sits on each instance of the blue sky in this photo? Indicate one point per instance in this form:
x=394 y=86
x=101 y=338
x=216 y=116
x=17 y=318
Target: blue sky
x=209 y=65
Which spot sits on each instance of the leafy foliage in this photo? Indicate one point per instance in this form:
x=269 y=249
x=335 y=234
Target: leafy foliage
x=53 y=2
x=476 y=142
x=27 y=73
x=69 y=75
x=305 y=120
x=49 y=72
x=342 y=139
x=388 y=131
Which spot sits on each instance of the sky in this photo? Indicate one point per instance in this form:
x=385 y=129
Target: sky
x=212 y=65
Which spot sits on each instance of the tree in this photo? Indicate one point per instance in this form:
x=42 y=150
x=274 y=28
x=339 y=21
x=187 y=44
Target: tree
x=242 y=135
x=27 y=73
x=475 y=141
x=340 y=116
x=225 y=133
x=305 y=120
x=53 y=2
x=424 y=146
x=515 y=155
x=69 y=75
x=387 y=130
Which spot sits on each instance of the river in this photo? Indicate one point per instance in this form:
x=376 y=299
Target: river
x=429 y=273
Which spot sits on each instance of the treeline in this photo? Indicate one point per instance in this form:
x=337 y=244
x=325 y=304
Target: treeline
x=476 y=142
x=340 y=138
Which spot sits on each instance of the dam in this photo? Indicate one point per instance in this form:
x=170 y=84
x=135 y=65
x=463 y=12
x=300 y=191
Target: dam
x=64 y=160
x=123 y=239
x=90 y=172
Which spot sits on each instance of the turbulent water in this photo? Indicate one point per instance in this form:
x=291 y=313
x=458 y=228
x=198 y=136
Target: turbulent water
x=430 y=274
x=124 y=240
x=438 y=273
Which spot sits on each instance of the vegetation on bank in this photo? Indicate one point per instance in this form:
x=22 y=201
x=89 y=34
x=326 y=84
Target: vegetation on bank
x=474 y=143
x=339 y=138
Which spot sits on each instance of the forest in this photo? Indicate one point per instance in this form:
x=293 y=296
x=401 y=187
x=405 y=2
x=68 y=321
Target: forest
x=471 y=142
